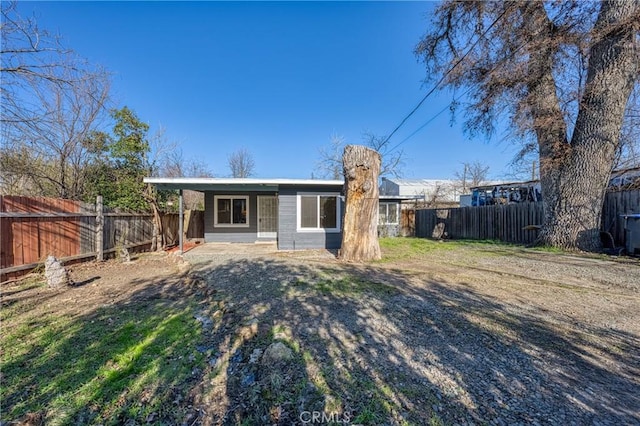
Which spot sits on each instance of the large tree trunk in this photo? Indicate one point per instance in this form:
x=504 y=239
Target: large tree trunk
x=360 y=224
x=574 y=176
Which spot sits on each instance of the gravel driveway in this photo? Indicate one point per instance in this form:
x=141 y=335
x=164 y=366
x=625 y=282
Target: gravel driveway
x=443 y=334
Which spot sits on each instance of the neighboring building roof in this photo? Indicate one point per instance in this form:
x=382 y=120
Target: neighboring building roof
x=399 y=197
x=445 y=190
x=246 y=184
x=491 y=185
x=416 y=182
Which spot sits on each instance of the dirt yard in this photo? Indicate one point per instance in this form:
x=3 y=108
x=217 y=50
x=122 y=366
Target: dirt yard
x=435 y=333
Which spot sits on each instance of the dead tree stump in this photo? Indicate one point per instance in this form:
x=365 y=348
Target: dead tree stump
x=360 y=225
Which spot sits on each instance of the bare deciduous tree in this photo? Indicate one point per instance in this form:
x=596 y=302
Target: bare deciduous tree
x=628 y=154
x=51 y=103
x=330 y=163
x=561 y=74
x=51 y=153
x=174 y=164
x=241 y=164
x=392 y=160
x=471 y=175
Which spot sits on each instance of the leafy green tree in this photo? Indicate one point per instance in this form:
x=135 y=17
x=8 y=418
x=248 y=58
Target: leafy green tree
x=121 y=163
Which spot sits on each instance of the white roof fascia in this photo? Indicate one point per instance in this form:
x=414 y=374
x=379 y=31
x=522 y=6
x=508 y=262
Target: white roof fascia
x=240 y=181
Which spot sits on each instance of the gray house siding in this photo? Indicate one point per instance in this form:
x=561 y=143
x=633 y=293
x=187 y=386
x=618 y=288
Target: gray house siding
x=288 y=236
x=233 y=234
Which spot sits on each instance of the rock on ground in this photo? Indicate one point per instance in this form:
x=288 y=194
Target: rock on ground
x=55 y=273
x=276 y=352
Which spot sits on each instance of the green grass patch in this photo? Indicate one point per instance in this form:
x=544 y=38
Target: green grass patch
x=122 y=363
x=344 y=286
x=548 y=249
x=397 y=249
x=405 y=248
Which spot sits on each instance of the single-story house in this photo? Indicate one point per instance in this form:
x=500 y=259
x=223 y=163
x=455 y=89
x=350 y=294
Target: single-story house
x=295 y=213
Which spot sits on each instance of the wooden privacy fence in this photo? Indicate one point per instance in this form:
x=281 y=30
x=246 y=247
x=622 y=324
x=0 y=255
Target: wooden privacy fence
x=500 y=222
x=616 y=204
x=34 y=227
x=193 y=226
x=31 y=228
x=507 y=222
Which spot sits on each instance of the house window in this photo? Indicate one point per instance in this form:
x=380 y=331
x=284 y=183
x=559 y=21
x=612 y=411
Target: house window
x=319 y=212
x=388 y=213
x=231 y=211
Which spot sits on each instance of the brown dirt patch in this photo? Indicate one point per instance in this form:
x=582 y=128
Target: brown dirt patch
x=447 y=335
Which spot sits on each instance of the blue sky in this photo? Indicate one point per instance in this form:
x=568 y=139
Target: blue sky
x=275 y=78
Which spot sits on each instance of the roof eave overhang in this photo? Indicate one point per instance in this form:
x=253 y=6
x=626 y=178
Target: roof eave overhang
x=243 y=185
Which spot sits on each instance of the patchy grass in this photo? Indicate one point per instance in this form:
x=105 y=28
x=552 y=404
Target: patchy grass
x=11 y=308
x=405 y=248
x=548 y=249
x=347 y=285
x=118 y=364
x=404 y=343
x=399 y=249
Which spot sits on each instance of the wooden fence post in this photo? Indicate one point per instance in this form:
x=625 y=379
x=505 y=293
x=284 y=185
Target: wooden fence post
x=181 y=223
x=99 y=229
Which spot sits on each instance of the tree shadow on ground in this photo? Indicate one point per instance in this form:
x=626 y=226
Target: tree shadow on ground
x=381 y=347
x=128 y=362
x=367 y=345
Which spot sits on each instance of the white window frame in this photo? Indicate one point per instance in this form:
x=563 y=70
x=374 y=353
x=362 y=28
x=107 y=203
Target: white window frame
x=230 y=197
x=299 y=227
x=388 y=204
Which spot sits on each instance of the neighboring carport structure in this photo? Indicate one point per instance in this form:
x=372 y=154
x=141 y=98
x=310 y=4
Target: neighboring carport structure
x=296 y=213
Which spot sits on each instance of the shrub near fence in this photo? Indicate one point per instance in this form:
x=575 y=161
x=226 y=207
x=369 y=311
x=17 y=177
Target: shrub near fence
x=507 y=222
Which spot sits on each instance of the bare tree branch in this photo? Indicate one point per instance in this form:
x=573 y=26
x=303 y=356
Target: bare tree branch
x=560 y=74
x=329 y=164
x=472 y=175
x=52 y=101
x=241 y=164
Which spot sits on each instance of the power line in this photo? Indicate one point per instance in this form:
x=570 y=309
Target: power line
x=495 y=67
x=419 y=128
x=433 y=89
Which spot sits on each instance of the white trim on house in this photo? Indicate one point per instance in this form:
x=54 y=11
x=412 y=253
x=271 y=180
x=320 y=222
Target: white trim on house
x=387 y=205
x=299 y=196
x=230 y=197
x=241 y=181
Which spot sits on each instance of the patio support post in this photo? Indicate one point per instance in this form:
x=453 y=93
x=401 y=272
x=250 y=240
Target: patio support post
x=180 y=223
